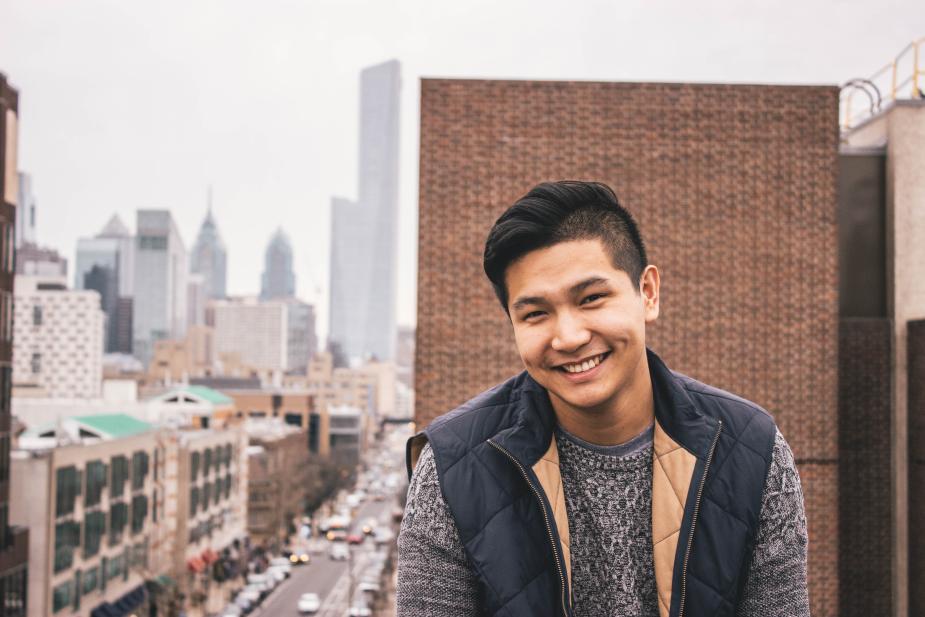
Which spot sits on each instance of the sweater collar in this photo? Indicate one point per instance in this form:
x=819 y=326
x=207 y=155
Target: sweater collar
x=675 y=411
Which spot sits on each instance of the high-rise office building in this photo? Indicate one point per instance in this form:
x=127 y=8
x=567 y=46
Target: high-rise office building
x=303 y=342
x=25 y=221
x=364 y=234
x=14 y=541
x=278 y=280
x=161 y=262
x=209 y=257
x=106 y=263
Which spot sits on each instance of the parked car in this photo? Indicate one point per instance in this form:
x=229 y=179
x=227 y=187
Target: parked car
x=355 y=539
x=282 y=563
x=369 y=586
x=309 y=603
x=277 y=574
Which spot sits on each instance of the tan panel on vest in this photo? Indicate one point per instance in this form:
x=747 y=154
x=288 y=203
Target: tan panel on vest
x=672 y=471
x=547 y=472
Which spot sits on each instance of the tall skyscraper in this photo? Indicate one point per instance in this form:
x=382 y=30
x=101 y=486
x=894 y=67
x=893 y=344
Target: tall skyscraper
x=14 y=541
x=209 y=257
x=278 y=280
x=161 y=264
x=25 y=220
x=106 y=263
x=364 y=233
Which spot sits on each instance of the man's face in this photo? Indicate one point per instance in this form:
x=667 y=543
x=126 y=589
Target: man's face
x=579 y=323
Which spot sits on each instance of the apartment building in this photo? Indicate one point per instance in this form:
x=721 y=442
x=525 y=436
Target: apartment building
x=85 y=489
x=58 y=339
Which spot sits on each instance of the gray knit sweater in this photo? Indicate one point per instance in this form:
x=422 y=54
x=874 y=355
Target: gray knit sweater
x=608 y=501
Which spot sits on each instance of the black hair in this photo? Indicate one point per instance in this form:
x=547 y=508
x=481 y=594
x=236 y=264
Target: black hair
x=554 y=212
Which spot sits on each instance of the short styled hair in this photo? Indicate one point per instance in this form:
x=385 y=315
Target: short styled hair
x=554 y=212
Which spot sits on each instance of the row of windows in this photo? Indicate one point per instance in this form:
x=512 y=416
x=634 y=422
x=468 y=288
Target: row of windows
x=200 y=498
x=13 y=593
x=217 y=456
x=69 y=481
x=69 y=593
x=205 y=527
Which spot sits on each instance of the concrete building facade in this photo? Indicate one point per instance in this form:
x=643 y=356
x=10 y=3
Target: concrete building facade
x=734 y=190
x=257 y=331
x=882 y=223
x=25 y=222
x=58 y=334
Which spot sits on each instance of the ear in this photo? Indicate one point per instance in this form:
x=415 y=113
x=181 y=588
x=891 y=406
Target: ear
x=649 y=290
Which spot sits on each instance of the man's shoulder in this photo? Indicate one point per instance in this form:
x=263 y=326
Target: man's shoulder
x=739 y=415
x=488 y=412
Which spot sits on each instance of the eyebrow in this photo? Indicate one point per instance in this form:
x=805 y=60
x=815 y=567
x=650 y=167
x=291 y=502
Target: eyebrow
x=574 y=290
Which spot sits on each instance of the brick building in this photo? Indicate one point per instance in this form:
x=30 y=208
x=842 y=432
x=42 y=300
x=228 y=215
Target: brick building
x=735 y=191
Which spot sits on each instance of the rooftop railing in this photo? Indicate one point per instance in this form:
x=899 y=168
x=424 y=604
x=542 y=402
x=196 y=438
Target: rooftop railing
x=902 y=78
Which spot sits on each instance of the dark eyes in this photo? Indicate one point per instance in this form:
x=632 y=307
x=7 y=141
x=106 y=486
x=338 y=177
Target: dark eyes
x=592 y=298
x=586 y=300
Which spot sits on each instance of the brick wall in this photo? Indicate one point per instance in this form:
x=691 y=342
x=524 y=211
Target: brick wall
x=916 y=342
x=864 y=479
x=734 y=188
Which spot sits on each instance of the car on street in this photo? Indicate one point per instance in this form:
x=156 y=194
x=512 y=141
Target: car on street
x=358 y=611
x=299 y=558
x=369 y=586
x=277 y=574
x=355 y=538
x=339 y=552
x=309 y=603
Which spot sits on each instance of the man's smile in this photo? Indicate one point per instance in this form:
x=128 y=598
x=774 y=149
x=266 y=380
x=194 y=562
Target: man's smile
x=583 y=367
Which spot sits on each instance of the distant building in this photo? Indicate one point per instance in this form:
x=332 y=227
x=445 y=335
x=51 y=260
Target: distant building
x=278 y=481
x=257 y=331
x=25 y=221
x=211 y=486
x=302 y=342
x=293 y=407
x=210 y=258
x=58 y=339
x=364 y=233
x=346 y=433
x=14 y=540
x=278 y=280
x=34 y=260
x=88 y=491
x=196 y=299
x=106 y=263
x=161 y=262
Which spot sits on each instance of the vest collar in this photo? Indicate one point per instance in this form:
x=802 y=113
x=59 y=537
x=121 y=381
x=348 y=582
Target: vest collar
x=529 y=437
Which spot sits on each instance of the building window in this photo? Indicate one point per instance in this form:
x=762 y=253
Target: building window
x=119 y=465
x=193 y=501
x=152 y=243
x=118 y=517
x=67 y=488
x=37 y=315
x=140 y=461
x=13 y=593
x=91 y=580
x=139 y=513
x=206 y=462
x=62 y=596
x=67 y=538
x=96 y=481
x=36 y=363
x=94 y=528
x=206 y=495
x=194 y=467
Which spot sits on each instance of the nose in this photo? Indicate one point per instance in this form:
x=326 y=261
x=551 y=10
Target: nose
x=571 y=333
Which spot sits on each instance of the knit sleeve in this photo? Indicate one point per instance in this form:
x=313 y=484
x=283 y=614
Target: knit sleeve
x=434 y=575
x=776 y=582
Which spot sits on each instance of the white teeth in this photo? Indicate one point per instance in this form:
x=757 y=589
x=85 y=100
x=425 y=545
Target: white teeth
x=587 y=365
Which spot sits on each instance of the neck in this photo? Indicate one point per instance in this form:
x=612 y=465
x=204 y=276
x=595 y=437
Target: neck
x=617 y=420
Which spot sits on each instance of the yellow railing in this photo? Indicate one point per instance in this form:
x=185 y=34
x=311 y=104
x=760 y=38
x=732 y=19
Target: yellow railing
x=903 y=78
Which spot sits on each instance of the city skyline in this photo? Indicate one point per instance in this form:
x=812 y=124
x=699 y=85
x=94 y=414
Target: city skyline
x=97 y=141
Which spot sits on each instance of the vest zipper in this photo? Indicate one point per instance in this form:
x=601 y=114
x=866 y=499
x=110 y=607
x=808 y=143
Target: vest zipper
x=552 y=539
x=690 y=537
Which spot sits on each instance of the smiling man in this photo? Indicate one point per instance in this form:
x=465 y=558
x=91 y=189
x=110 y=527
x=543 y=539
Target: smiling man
x=598 y=482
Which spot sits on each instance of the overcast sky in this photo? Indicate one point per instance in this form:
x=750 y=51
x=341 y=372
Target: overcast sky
x=127 y=105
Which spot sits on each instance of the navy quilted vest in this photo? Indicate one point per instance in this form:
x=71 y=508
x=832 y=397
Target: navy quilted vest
x=484 y=453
